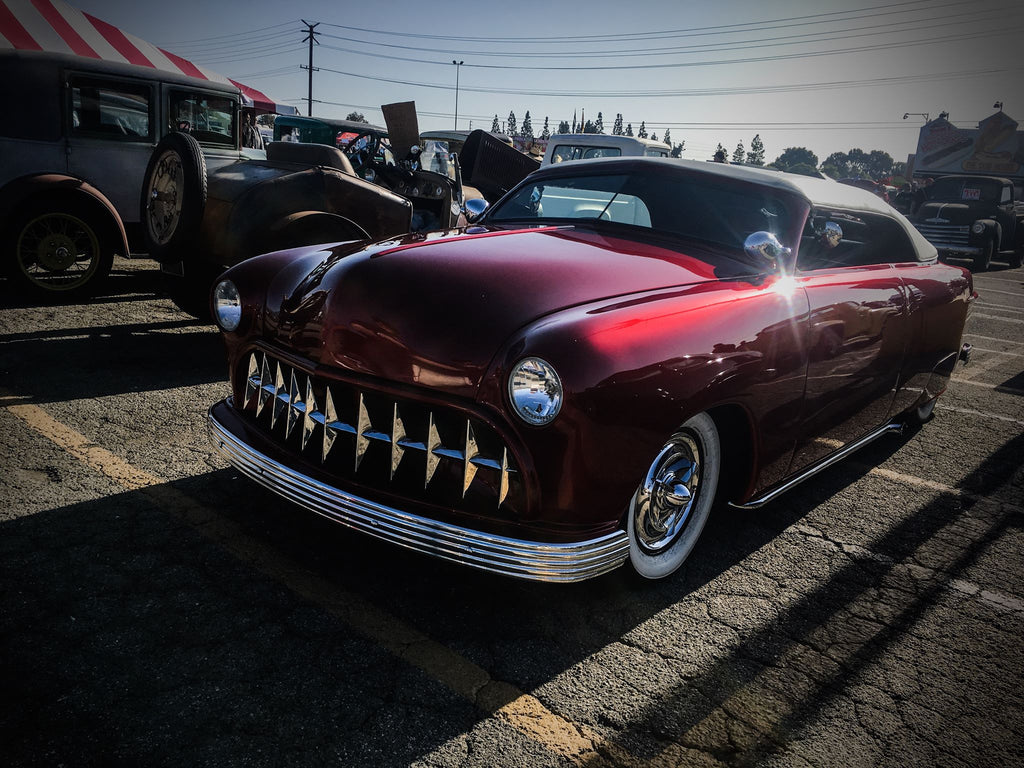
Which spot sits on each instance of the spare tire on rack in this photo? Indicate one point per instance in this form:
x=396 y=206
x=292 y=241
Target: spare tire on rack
x=173 y=197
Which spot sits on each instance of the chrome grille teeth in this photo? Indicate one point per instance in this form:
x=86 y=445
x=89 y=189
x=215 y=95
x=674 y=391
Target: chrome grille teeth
x=309 y=423
x=297 y=403
x=280 y=404
x=470 y=453
x=296 y=406
x=252 y=381
x=266 y=386
x=397 y=436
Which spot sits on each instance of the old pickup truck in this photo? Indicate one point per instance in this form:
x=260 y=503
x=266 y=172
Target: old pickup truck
x=976 y=217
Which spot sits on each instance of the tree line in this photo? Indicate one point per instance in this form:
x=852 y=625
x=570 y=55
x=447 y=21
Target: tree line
x=856 y=163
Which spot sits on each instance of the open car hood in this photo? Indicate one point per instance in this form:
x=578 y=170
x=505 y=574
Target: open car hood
x=433 y=309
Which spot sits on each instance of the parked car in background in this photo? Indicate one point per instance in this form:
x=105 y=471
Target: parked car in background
x=572 y=381
x=74 y=151
x=589 y=146
x=349 y=186
x=975 y=217
x=869 y=185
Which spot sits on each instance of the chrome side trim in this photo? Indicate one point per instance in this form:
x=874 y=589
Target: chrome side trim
x=537 y=561
x=824 y=463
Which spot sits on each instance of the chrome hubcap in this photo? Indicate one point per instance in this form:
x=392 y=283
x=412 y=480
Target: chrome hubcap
x=165 y=187
x=668 y=493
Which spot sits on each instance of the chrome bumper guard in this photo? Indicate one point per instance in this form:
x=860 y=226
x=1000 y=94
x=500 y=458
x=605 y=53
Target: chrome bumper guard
x=957 y=250
x=536 y=561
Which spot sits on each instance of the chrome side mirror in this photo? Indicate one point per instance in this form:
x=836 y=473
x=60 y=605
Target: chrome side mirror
x=765 y=249
x=830 y=235
x=475 y=208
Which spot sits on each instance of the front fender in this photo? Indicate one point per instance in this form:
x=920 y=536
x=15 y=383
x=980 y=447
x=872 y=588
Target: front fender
x=58 y=189
x=634 y=369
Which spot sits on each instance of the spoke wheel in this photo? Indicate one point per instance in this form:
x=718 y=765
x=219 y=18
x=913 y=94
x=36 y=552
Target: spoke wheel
x=672 y=503
x=58 y=252
x=165 y=195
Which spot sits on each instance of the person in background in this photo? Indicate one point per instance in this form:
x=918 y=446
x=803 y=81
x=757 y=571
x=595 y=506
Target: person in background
x=251 y=136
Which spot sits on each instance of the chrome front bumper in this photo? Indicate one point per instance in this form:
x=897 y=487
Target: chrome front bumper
x=537 y=561
x=951 y=249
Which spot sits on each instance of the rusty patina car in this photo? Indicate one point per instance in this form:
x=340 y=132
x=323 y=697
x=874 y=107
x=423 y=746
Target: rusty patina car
x=573 y=380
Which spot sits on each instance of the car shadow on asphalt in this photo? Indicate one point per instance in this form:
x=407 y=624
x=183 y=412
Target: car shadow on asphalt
x=124 y=627
x=66 y=364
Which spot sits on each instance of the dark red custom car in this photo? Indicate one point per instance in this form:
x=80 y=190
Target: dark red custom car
x=572 y=381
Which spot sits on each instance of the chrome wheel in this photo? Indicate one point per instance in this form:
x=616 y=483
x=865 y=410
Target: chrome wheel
x=672 y=503
x=58 y=252
x=666 y=497
x=164 y=197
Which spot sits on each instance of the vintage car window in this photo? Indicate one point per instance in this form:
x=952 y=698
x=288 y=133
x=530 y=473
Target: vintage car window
x=693 y=208
x=868 y=239
x=564 y=152
x=953 y=189
x=652 y=152
x=1006 y=197
x=209 y=118
x=112 y=110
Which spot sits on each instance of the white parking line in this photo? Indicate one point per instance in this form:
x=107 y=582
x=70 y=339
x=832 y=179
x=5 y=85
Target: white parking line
x=979 y=366
x=970 y=412
x=1005 y=293
x=993 y=338
x=983 y=385
x=997 y=317
x=1014 y=280
x=997 y=352
x=918 y=572
x=1007 y=307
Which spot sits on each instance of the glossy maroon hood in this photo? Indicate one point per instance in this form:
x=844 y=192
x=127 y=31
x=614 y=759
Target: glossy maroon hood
x=433 y=310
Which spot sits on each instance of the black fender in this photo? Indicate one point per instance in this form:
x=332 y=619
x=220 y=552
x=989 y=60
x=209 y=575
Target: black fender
x=312 y=228
x=63 y=188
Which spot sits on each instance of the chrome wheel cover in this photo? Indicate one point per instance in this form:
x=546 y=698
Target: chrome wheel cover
x=668 y=494
x=164 y=197
x=58 y=252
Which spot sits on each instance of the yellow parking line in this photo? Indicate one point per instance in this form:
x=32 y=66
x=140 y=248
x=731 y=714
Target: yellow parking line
x=502 y=700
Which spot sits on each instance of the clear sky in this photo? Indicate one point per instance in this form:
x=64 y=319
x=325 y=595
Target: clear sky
x=828 y=75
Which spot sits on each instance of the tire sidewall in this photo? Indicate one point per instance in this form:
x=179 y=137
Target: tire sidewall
x=666 y=562
x=193 y=197
x=103 y=259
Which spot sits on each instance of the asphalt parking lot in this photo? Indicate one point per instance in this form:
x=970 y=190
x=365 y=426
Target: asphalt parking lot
x=158 y=609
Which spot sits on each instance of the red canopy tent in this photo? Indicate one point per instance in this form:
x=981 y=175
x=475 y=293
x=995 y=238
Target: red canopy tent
x=56 y=27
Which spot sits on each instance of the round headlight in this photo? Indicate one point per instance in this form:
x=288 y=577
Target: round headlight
x=227 y=305
x=977 y=228
x=535 y=391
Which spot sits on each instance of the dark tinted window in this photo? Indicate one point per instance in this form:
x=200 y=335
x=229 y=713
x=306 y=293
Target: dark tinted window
x=868 y=239
x=692 y=207
x=30 y=92
x=111 y=109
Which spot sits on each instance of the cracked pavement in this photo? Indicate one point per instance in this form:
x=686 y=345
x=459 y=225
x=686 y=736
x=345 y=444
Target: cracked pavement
x=156 y=608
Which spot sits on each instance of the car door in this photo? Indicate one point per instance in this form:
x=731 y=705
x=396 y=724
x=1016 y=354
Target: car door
x=857 y=333
x=111 y=133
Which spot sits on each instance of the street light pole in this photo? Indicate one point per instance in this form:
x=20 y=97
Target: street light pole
x=458 y=66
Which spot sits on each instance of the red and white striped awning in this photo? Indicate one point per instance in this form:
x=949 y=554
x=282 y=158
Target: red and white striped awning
x=55 y=27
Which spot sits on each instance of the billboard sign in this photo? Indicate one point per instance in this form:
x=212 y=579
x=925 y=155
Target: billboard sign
x=994 y=148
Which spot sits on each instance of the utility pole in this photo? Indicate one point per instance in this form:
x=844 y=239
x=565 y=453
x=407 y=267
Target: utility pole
x=458 y=66
x=310 y=38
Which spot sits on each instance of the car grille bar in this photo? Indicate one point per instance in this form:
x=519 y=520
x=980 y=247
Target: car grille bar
x=944 y=233
x=536 y=561
x=289 y=396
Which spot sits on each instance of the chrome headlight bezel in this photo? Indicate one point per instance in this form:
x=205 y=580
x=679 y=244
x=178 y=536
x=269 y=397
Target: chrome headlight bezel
x=535 y=391
x=227 y=305
x=978 y=227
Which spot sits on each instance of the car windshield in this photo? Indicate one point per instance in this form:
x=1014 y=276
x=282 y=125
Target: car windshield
x=692 y=207
x=952 y=189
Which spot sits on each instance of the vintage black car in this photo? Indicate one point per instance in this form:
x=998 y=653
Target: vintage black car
x=976 y=217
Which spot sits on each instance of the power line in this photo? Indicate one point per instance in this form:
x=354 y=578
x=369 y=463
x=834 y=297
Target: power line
x=762 y=42
x=802 y=20
x=739 y=90
x=246 y=34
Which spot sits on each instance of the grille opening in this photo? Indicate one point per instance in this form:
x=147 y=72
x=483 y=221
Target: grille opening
x=434 y=455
